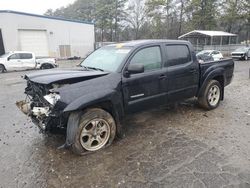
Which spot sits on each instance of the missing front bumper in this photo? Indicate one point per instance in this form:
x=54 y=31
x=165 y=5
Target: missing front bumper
x=24 y=106
x=37 y=114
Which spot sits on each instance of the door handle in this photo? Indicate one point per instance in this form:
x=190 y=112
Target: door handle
x=161 y=77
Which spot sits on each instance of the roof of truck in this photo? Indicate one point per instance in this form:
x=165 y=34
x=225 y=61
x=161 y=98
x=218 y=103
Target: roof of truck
x=135 y=43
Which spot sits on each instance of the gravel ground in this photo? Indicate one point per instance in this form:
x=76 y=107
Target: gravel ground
x=182 y=147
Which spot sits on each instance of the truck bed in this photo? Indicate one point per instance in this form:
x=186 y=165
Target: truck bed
x=224 y=67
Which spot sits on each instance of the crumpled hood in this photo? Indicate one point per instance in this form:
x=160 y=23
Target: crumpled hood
x=63 y=75
x=90 y=88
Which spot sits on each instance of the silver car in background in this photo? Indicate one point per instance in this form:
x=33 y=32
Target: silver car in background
x=241 y=53
x=216 y=55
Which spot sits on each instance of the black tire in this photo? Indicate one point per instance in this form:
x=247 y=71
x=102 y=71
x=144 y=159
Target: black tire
x=46 y=66
x=205 y=98
x=81 y=122
x=2 y=69
x=245 y=57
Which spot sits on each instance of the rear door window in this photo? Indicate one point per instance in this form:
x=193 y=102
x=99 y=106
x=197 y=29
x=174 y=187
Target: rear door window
x=26 y=56
x=177 y=55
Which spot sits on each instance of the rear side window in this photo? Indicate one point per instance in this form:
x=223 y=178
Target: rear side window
x=150 y=57
x=177 y=55
x=26 y=56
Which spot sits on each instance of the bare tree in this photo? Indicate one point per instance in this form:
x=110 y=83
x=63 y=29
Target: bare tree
x=136 y=16
x=181 y=17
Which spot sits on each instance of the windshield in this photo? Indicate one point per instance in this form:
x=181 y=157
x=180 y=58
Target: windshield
x=241 y=49
x=5 y=55
x=107 y=58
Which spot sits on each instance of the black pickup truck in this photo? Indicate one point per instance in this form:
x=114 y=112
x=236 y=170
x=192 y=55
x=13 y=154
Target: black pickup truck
x=90 y=101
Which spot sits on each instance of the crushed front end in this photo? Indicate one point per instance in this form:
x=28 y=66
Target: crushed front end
x=43 y=107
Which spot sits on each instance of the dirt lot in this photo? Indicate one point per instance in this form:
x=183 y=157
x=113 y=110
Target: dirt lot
x=182 y=147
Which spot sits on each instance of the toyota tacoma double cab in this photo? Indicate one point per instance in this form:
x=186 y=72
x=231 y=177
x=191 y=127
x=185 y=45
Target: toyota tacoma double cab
x=89 y=102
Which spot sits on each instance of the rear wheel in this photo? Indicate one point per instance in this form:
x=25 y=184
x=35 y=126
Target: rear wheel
x=2 y=69
x=96 y=130
x=46 y=66
x=211 y=96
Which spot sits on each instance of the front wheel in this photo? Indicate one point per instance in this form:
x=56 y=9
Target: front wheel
x=245 y=57
x=210 y=98
x=96 y=129
x=2 y=69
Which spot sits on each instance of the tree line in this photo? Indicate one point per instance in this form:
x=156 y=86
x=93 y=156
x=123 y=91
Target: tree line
x=121 y=20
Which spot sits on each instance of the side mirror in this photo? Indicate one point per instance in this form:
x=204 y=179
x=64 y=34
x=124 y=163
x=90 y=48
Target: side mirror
x=8 y=58
x=135 y=68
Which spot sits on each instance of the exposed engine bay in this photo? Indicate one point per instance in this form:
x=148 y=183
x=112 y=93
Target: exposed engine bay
x=40 y=105
x=48 y=93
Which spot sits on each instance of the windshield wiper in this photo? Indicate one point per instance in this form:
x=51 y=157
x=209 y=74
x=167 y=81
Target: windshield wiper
x=93 y=68
x=84 y=67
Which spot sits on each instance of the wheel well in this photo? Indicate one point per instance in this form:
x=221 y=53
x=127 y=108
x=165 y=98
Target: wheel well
x=220 y=79
x=3 y=67
x=46 y=64
x=108 y=106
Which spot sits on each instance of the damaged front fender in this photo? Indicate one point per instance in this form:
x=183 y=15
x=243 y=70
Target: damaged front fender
x=90 y=99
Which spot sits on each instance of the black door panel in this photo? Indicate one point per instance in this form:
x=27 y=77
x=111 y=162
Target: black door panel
x=145 y=90
x=182 y=82
x=148 y=89
x=182 y=73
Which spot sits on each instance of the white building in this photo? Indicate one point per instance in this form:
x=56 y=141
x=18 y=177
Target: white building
x=44 y=35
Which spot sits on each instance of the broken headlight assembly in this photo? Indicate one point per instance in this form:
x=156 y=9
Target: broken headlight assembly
x=52 y=98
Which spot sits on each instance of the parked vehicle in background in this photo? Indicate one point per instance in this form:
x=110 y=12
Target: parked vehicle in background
x=74 y=58
x=90 y=102
x=202 y=58
x=216 y=55
x=46 y=63
x=21 y=60
x=241 y=53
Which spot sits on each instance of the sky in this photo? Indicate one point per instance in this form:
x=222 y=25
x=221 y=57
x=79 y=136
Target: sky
x=33 y=6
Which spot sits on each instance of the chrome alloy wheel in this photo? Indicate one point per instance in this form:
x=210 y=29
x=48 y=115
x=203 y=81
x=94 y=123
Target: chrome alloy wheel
x=214 y=95
x=95 y=134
